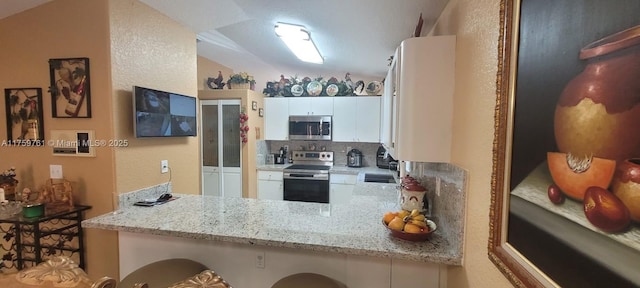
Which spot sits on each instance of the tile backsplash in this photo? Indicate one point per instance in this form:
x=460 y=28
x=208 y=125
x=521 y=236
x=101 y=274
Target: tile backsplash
x=446 y=186
x=339 y=149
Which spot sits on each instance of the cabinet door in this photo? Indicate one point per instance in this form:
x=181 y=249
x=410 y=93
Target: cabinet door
x=340 y=193
x=368 y=119
x=299 y=106
x=311 y=106
x=344 y=119
x=321 y=106
x=276 y=118
x=270 y=190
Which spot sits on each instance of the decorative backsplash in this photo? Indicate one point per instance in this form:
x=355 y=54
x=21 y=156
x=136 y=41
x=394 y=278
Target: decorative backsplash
x=339 y=149
x=446 y=186
x=127 y=199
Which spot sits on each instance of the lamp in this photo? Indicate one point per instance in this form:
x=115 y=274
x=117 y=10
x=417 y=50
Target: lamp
x=298 y=39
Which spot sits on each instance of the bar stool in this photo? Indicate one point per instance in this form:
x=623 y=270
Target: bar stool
x=307 y=280
x=162 y=273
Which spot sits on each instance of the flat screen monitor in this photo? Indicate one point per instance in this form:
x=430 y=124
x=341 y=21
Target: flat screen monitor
x=163 y=114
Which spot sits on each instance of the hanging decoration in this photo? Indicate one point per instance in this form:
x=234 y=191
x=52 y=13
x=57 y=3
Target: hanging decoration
x=244 y=127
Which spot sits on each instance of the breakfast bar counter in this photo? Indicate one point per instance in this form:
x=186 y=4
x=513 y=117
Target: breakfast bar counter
x=353 y=229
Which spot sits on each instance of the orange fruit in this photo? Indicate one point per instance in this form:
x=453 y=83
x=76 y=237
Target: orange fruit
x=412 y=228
x=574 y=184
x=403 y=213
x=388 y=217
x=396 y=224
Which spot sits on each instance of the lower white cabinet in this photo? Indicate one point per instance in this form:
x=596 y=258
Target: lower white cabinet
x=270 y=185
x=341 y=188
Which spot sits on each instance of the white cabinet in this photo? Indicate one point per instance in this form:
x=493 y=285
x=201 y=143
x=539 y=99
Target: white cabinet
x=341 y=188
x=356 y=119
x=420 y=99
x=270 y=185
x=310 y=105
x=276 y=118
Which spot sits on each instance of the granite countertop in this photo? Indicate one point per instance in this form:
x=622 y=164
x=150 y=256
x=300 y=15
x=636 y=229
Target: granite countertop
x=353 y=228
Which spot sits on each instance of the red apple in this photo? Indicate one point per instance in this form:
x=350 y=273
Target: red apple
x=604 y=210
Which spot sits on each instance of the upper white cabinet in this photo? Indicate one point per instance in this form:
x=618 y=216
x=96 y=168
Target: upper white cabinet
x=276 y=118
x=418 y=105
x=310 y=105
x=356 y=119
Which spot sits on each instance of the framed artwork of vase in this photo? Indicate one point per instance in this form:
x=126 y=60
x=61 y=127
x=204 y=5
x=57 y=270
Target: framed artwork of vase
x=564 y=207
x=25 y=125
x=70 y=88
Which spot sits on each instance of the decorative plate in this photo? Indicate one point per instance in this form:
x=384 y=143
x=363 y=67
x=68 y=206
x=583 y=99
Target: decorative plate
x=314 y=88
x=297 y=90
x=374 y=88
x=332 y=89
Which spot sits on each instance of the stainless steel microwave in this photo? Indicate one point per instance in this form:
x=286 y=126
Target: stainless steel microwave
x=313 y=127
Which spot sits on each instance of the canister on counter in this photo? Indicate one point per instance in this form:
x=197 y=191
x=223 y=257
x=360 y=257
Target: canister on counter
x=31 y=210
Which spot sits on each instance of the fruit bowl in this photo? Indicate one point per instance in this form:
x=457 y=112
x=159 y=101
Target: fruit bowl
x=416 y=237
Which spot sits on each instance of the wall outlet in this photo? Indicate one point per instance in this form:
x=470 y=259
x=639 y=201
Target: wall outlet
x=164 y=166
x=260 y=260
x=55 y=171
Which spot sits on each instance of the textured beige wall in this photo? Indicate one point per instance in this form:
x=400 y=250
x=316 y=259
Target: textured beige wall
x=151 y=50
x=476 y=24
x=65 y=29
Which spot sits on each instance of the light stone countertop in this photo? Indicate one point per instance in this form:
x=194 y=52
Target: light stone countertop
x=353 y=228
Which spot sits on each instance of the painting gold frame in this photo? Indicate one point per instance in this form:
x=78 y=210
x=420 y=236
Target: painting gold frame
x=512 y=262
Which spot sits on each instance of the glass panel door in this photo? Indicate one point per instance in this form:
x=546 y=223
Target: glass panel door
x=210 y=135
x=231 y=135
x=221 y=148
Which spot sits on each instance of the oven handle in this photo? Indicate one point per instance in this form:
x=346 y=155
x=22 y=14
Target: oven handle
x=303 y=176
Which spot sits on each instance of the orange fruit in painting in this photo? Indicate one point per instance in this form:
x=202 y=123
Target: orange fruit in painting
x=396 y=224
x=388 y=217
x=574 y=175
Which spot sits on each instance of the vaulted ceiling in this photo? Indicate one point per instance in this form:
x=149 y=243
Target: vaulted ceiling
x=356 y=36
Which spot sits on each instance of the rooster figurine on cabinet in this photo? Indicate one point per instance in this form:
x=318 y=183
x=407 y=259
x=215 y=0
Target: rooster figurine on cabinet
x=216 y=83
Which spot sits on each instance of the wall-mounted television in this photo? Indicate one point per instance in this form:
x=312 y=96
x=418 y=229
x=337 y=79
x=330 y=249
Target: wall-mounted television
x=163 y=114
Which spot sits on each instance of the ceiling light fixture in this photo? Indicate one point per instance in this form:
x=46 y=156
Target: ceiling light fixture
x=298 y=39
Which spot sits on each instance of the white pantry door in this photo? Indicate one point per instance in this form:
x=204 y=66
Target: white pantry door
x=221 y=148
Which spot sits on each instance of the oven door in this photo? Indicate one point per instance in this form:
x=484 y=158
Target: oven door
x=306 y=187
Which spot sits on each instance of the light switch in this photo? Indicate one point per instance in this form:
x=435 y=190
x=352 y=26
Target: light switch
x=55 y=171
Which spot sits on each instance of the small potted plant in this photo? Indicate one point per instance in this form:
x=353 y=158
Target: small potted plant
x=241 y=80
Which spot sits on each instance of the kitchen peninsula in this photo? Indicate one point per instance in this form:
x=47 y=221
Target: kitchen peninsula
x=349 y=236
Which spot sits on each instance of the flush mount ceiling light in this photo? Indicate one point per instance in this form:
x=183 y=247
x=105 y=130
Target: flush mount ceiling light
x=298 y=39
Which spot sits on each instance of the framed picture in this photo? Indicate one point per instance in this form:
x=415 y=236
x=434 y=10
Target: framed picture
x=70 y=89
x=254 y=105
x=567 y=120
x=261 y=112
x=25 y=124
